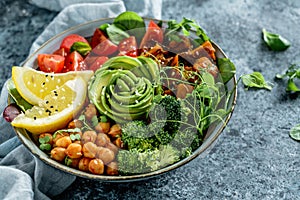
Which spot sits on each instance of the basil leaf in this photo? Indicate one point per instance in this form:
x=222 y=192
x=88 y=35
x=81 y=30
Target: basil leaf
x=115 y=34
x=18 y=99
x=82 y=48
x=104 y=27
x=291 y=86
x=275 y=41
x=295 y=132
x=293 y=72
x=227 y=69
x=256 y=80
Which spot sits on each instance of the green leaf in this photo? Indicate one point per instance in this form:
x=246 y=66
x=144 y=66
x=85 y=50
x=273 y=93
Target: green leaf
x=44 y=140
x=74 y=137
x=275 y=41
x=255 y=80
x=115 y=34
x=291 y=86
x=68 y=161
x=293 y=72
x=75 y=130
x=104 y=27
x=227 y=69
x=103 y=119
x=45 y=147
x=295 y=132
x=18 y=99
x=81 y=47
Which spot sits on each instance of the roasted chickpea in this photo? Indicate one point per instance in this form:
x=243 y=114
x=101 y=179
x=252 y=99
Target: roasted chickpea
x=83 y=164
x=119 y=143
x=112 y=169
x=102 y=127
x=89 y=150
x=63 y=142
x=90 y=111
x=115 y=130
x=102 y=139
x=105 y=154
x=58 y=136
x=74 y=150
x=75 y=124
x=112 y=147
x=88 y=136
x=58 y=153
x=48 y=135
x=96 y=166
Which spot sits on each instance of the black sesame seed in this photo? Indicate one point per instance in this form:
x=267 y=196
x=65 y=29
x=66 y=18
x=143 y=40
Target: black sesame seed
x=56 y=94
x=44 y=83
x=56 y=110
x=51 y=106
x=46 y=75
x=47 y=102
x=34 y=118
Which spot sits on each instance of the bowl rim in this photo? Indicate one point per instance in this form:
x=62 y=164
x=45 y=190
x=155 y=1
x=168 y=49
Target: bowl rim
x=122 y=178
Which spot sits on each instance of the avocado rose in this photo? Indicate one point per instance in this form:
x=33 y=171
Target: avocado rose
x=124 y=87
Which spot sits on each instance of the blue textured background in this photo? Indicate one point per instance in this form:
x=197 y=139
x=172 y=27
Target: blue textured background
x=254 y=158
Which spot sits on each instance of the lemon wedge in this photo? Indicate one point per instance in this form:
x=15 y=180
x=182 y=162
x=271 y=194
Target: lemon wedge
x=56 y=110
x=34 y=85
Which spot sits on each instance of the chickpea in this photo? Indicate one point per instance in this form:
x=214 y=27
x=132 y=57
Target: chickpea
x=112 y=147
x=90 y=111
x=96 y=166
x=119 y=143
x=75 y=124
x=83 y=164
x=88 y=136
x=105 y=154
x=115 y=130
x=63 y=142
x=89 y=150
x=112 y=169
x=50 y=137
x=74 y=150
x=58 y=136
x=58 y=153
x=102 y=139
x=102 y=127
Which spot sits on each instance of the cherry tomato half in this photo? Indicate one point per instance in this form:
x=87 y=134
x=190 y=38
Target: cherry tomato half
x=128 y=46
x=101 y=45
x=74 y=62
x=61 y=52
x=51 y=63
x=69 y=40
x=153 y=33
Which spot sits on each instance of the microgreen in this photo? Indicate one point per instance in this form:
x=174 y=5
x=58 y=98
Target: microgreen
x=82 y=48
x=68 y=161
x=74 y=137
x=275 y=41
x=103 y=118
x=255 y=80
x=44 y=145
x=293 y=72
x=95 y=120
x=295 y=132
x=75 y=130
x=227 y=69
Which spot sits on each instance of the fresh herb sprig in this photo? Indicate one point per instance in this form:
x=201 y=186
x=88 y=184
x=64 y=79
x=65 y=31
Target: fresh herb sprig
x=255 y=80
x=44 y=143
x=293 y=73
x=275 y=41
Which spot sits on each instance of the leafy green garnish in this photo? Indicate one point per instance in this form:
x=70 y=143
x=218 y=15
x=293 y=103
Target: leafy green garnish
x=115 y=34
x=227 y=69
x=18 y=99
x=103 y=118
x=293 y=72
x=81 y=47
x=185 y=26
x=44 y=145
x=74 y=137
x=275 y=41
x=95 y=120
x=75 y=130
x=295 y=132
x=44 y=140
x=255 y=80
x=68 y=161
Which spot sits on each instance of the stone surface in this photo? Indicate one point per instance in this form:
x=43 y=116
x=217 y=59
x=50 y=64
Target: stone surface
x=254 y=157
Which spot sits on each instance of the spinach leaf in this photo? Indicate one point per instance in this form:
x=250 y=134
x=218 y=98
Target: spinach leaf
x=82 y=48
x=132 y=23
x=275 y=41
x=227 y=69
x=256 y=80
x=115 y=34
x=293 y=72
x=18 y=99
x=185 y=26
x=295 y=132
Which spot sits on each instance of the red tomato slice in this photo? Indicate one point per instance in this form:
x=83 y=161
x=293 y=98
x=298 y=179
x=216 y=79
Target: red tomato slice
x=97 y=62
x=51 y=63
x=102 y=45
x=74 y=62
x=61 y=52
x=69 y=40
x=128 y=46
x=153 y=33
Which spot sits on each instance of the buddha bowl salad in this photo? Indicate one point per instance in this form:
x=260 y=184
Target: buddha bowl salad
x=131 y=99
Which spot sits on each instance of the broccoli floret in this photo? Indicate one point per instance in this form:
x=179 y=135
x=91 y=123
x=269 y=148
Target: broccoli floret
x=136 y=135
x=135 y=162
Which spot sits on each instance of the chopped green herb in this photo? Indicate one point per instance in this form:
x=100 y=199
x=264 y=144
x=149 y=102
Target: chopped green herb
x=255 y=80
x=44 y=140
x=68 y=161
x=275 y=41
x=293 y=72
x=94 y=120
x=103 y=118
x=82 y=48
x=75 y=137
x=75 y=130
x=45 y=147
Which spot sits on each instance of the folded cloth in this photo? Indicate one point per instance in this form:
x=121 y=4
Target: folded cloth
x=21 y=174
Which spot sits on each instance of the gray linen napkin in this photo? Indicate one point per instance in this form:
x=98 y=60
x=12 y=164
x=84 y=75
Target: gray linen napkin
x=21 y=174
